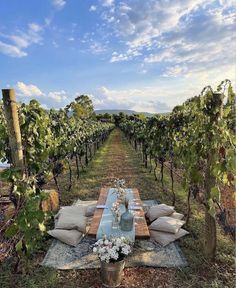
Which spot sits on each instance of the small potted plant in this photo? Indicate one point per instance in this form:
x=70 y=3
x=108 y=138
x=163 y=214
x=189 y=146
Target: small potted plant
x=112 y=252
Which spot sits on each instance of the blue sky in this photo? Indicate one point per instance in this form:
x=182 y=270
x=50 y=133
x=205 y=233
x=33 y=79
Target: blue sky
x=142 y=55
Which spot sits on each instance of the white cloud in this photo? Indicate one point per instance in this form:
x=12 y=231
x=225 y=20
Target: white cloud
x=32 y=91
x=141 y=22
x=164 y=94
x=96 y=47
x=21 y=40
x=175 y=71
x=187 y=40
x=128 y=55
x=138 y=99
x=28 y=90
x=165 y=55
x=31 y=36
x=107 y=3
x=58 y=96
x=35 y=27
x=11 y=50
x=196 y=32
x=92 y=8
x=59 y=3
x=118 y=57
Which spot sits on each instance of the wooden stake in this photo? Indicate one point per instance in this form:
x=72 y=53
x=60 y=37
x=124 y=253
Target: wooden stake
x=13 y=127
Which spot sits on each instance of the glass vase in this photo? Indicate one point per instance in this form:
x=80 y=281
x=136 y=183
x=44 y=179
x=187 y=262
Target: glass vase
x=115 y=221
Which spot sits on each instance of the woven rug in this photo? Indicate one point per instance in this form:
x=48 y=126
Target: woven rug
x=145 y=253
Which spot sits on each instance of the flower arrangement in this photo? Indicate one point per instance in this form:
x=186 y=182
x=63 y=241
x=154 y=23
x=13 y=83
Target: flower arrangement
x=112 y=250
x=120 y=189
x=115 y=209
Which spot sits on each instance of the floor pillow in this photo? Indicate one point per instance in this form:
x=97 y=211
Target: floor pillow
x=160 y=210
x=69 y=221
x=167 y=224
x=164 y=238
x=70 y=237
x=177 y=215
x=73 y=210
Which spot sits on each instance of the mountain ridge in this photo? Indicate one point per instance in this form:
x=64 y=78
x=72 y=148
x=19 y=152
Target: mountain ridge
x=125 y=111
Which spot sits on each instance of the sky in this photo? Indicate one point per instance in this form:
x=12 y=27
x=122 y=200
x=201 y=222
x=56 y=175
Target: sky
x=142 y=55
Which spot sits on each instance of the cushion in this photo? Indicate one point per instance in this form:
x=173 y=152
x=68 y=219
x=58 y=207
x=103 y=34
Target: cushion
x=72 y=210
x=70 y=237
x=86 y=203
x=167 y=224
x=90 y=210
x=177 y=215
x=164 y=238
x=69 y=222
x=159 y=210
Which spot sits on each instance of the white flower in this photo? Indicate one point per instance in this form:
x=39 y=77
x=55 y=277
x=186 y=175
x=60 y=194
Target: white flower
x=112 y=249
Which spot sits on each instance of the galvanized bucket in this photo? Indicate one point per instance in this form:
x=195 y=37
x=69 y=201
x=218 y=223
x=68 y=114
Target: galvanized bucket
x=112 y=273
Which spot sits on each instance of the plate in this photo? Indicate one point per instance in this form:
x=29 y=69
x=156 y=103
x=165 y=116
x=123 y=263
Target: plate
x=101 y=207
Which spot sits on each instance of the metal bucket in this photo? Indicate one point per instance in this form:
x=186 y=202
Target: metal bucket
x=112 y=273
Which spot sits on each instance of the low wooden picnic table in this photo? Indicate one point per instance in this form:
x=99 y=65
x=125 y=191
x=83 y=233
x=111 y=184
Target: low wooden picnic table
x=141 y=228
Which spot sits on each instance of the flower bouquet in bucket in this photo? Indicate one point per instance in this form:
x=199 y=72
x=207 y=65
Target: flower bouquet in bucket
x=112 y=252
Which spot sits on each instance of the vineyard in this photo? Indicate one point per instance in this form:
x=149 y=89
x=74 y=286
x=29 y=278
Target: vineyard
x=186 y=157
x=51 y=140
x=196 y=138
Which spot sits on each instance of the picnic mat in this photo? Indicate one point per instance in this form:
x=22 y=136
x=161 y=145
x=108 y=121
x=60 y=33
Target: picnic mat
x=145 y=253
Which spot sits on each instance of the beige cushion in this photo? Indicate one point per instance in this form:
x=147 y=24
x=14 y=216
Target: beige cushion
x=167 y=224
x=86 y=203
x=70 y=237
x=72 y=210
x=164 y=238
x=177 y=215
x=160 y=210
x=69 y=221
x=80 y=207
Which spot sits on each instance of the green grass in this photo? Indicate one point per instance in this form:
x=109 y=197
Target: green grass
x=116 y=158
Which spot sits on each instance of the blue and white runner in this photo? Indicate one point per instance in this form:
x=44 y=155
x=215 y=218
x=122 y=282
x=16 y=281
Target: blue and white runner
x=105 y=226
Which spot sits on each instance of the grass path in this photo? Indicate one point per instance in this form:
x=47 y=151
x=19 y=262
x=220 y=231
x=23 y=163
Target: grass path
x=116 y=158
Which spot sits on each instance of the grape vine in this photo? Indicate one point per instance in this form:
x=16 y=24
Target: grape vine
x=197 y=137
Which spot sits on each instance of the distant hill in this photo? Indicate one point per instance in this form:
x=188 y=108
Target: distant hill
x=117 y=111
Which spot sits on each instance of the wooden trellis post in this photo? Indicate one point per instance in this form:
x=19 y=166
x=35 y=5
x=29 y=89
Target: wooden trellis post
x=13 y=127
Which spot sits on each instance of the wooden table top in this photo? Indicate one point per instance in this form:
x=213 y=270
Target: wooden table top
x=141 y=228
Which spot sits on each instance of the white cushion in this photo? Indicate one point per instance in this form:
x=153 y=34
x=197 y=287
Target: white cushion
x=177 y=215
x=69 y=222
x=167 y=224
x=160 y=210
x=70 y=237
x=164 y=238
